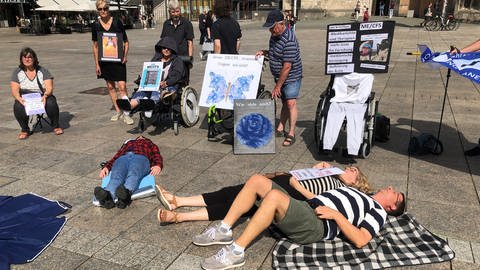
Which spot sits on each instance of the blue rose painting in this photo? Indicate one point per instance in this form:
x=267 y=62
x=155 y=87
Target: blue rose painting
x=254 y=130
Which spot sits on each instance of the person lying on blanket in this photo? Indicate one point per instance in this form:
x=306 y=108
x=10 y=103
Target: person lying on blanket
x=344 y=210
x=135 y=159
x=215 y=205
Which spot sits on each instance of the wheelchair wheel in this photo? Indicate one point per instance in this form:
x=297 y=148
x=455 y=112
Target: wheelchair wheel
x=189 y=108
x=320 y=121
x=175 y=128
x=364 y=151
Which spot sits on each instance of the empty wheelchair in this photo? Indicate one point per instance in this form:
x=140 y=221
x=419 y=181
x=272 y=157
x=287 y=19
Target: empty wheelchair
x=351 y=90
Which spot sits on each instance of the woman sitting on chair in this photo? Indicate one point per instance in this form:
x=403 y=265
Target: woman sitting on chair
x=215 y=205
x=173 y=75
x=29 y=78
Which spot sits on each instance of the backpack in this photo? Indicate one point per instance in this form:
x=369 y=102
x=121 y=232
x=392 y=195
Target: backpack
x=382 y=128
x=424 y=144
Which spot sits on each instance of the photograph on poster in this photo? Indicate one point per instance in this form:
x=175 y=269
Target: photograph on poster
x=374 y=47
x=229 y=77
x=253 y=126
x=151 y=76
x=111 y=47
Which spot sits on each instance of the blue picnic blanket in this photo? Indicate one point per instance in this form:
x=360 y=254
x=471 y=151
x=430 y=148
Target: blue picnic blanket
x=28 y=225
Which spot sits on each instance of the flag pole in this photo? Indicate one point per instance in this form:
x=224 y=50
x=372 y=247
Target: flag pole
x=443 y=108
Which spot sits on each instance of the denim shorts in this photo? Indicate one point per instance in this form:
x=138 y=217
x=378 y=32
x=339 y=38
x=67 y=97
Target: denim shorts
x=291 y=90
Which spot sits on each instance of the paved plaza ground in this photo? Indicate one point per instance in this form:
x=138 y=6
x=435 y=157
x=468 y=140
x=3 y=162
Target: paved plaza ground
x=442 y=191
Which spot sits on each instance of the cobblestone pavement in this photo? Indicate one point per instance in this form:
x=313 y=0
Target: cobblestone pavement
x=442 y=190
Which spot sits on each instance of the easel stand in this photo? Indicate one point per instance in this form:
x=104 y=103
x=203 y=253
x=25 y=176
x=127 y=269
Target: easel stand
x=443 y=107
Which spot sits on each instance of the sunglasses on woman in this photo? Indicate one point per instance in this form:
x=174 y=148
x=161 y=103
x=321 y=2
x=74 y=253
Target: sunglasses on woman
x=103 y=9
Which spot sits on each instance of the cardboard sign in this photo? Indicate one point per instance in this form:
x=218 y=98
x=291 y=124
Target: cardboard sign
x=359 y=47
x=151 y=76
x=254 y=126
x=110 y=47
x=229 y=77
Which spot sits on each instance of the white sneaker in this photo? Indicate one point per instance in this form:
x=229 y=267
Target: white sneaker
x=116 y=116
x=127 y=119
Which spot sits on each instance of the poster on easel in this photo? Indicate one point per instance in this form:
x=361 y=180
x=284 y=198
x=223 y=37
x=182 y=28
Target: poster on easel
x=229 y=77
x=359 y=47
x=110 y=47
x=254 y=125
x=151 y=76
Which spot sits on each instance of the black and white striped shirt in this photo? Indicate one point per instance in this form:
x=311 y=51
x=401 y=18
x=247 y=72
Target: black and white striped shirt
x=320 y=185
x=358 y=208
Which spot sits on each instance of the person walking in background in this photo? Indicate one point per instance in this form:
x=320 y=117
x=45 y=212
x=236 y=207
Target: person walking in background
x=366 y=16
x=381 y=8
x=202 y=20
x=111 y=71
x=428 y=14
x=357 y=10
x=392 y=7
x=226 y=32
x=286 y=68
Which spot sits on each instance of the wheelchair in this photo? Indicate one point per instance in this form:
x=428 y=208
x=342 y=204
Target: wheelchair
x=368 y=134
x=183 y=108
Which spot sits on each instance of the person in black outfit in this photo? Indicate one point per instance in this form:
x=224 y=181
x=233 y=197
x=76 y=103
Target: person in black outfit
x=226 y=32
x=181 y=30
x=111 y=71
x=202 y=20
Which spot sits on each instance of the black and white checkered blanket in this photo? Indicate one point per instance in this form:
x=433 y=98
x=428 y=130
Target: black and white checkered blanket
x=402 y=241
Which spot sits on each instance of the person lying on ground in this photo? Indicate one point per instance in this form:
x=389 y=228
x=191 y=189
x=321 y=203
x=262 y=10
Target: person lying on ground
x=215 y=205
x=135 y=159
x=347 y=211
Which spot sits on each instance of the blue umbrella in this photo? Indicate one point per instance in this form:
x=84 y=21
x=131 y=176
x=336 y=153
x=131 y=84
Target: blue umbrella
x=28 y=225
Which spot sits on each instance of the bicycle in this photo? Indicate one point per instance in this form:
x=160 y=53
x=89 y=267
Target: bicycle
x=442 y=23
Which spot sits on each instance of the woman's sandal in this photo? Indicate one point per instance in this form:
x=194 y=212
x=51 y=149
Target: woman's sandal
x=58 y=131
x=166 y=216
x=23 y=135
x=168 y=204
x=289 y=140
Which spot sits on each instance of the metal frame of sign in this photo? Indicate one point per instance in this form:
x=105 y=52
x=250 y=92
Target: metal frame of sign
x=114 y=51
x=363 y=47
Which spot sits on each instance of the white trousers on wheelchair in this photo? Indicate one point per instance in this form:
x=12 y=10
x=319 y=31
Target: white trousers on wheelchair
x=355 y=124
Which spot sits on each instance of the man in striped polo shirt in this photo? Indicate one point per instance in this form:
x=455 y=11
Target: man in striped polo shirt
x=286 y=68
x=345 y=211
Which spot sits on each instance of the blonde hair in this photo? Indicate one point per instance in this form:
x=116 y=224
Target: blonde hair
x=101 y=2
x=362 y=182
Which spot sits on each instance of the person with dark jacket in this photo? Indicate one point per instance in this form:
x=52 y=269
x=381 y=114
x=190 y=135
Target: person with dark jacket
x=173 y=75
x=226 y=32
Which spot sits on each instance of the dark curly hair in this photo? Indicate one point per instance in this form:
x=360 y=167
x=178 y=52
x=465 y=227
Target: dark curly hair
x=26 y=51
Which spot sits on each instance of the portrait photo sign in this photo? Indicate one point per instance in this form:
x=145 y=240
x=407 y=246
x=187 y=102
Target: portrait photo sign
x=110 y=47
x=229 y=77
x=359 y=47
x=151 y=76
x=254 y=126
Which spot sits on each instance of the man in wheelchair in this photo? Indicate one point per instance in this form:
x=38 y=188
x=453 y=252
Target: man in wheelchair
x=173 y=77
x=350 y=101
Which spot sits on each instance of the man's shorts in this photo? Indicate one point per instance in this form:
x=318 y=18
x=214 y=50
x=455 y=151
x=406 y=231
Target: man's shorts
x=291 y=90
x=300 y=224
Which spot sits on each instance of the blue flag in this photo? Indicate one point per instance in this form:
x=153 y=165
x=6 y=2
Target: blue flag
x=465 y=64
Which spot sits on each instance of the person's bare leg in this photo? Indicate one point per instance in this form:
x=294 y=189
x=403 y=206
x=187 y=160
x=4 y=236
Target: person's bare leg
x=113 y=94
x=177 y=217
x=196 y=200
x=256 y=185
x=296 y=185
x=122 y=89
x=274 y=206
x=291 y=105
x=283 y=117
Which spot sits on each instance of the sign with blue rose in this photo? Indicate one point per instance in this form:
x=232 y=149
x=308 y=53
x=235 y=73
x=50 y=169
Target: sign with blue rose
x=254 y=126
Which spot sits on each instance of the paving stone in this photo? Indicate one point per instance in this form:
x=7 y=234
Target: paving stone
x=54 y=259
x=463 y=250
